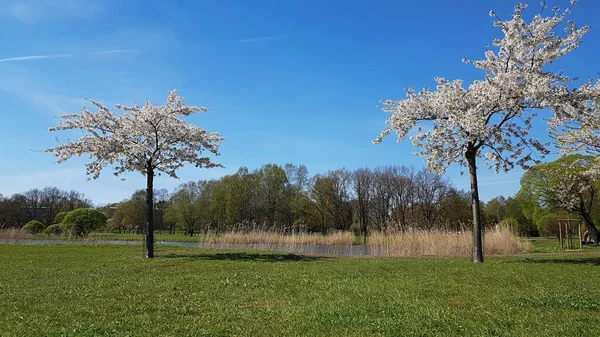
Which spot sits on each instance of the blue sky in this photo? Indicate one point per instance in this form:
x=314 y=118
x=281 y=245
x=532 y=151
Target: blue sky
x=286 y=81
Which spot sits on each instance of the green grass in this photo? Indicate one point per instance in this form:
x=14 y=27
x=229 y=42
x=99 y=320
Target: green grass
x=551 y=245
x=544 y=245
x=113 y=291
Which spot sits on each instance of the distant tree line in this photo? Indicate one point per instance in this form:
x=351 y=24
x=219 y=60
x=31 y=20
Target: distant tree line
x=566 y=188
x=42 y=205
x=287 y=198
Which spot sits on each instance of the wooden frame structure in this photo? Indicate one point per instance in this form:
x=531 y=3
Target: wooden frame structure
x=568 y=233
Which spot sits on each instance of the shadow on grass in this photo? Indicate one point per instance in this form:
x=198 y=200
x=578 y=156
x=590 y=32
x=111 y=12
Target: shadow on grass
x=247 y=257
x=575 y=261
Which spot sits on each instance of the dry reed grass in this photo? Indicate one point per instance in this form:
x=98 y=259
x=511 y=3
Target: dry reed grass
x=13 y=234
x=504 y=242
x=443 y=243
x=401 y=243
x=272 y=238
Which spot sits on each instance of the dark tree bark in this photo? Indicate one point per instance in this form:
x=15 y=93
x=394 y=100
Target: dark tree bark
x=471 y=156
x=150 y=211
x=362 y=184
x=591 y=227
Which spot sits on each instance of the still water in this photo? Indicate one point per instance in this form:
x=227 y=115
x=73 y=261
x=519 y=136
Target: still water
x=291 y=248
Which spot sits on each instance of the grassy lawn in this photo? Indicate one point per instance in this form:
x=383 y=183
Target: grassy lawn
x=112 y=291
x=547 y=245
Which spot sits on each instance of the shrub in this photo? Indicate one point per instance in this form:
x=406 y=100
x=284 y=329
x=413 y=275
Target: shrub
x=548 y=224
x=521 y=228
x=34 y=227
x=56 y=229
x=60 y=217
x=82 y=221
x=355 y=229
x=510 y=224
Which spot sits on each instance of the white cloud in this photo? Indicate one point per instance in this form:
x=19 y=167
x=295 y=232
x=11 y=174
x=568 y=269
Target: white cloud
x=38 y=92
x=259 y=39
x=32 y=91
x=55 y=56
x=34 y=57
x=34 y=11
x=114 y=51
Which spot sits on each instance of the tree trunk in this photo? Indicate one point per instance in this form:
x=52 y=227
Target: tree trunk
x=591 y=227
x=150 y=211
x=365 y=232
x=365 y=225
x=471 y=156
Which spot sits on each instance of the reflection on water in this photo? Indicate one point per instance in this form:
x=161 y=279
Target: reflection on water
x=295 y=248
x=291 y=248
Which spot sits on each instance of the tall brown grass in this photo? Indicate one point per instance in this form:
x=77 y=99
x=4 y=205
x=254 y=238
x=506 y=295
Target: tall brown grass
x=399 y=243
x=443 y=243
x=13 y=234
x=340 y=238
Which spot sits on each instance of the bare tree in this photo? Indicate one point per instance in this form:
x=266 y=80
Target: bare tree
x=362 y=184
x=431 y=190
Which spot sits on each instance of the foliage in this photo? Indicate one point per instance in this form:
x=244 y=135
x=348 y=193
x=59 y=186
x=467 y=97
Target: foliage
x=548 y=224
x=130 y=215
x=330 y=193
x=286 y=198
x=56 y=229
x=510 y=224
x=305 y=214
x=185 y=209
x=524 y=207
x=39 y=204
x=565 y=185
x=34 y=227
x=456 y=212
x=82 y=221
x=492 y=117
x=517 y=208
x=60 y=217
x=495 y=209
x=521 y=227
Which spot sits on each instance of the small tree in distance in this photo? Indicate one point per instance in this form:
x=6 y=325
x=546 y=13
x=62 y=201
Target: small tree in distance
x=82 y=221
x=492 y=118
x=148 y=139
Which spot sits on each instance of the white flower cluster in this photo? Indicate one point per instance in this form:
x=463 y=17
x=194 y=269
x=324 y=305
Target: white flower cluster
x=142 y=138
x=493 y=117
x=575 y=186
x=577 y=128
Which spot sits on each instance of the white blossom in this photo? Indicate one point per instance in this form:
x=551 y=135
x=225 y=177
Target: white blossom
x=144 y=138
x=574 y=184
x=493 y=117
x=577 y=128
